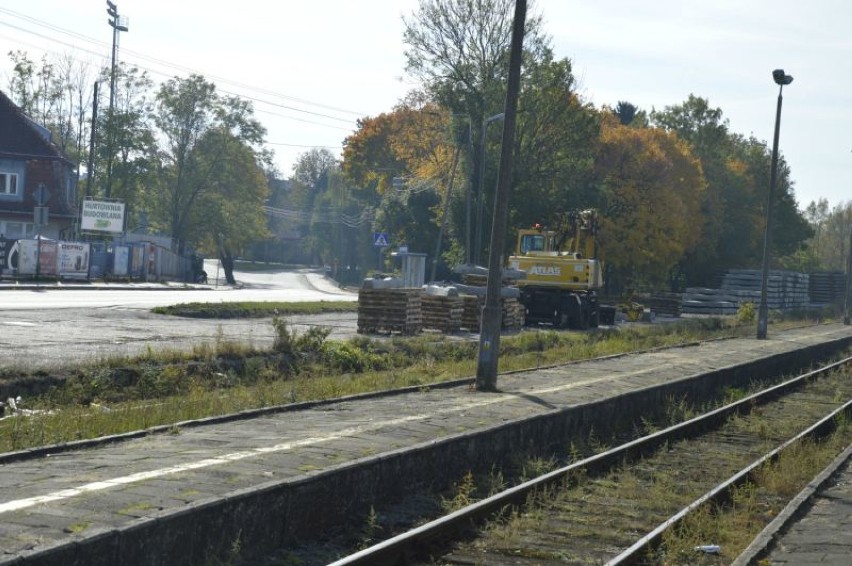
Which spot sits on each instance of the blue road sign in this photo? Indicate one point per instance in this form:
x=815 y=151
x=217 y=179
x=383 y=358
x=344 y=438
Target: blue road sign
x=381 y=239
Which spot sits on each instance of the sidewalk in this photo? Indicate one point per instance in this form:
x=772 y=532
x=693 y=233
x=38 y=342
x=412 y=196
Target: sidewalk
x=189 y=493
x=7 y=285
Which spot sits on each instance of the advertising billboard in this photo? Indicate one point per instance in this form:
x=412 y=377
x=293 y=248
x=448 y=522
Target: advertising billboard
x=40 y=251
x=73 y=260
x=8 y=254
x=102 y=216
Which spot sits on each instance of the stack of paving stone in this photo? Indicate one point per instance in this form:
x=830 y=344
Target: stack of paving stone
x=472 y=312
x=827 y=287
x=386 y=307
x=442 y=308
x=785 y=290
x=513 y=313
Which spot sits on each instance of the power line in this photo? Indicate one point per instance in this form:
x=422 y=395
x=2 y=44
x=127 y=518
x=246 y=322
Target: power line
x=175 y=66
x=160 y=73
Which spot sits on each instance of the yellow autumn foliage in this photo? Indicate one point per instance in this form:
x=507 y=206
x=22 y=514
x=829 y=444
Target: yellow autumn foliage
x=652 y=187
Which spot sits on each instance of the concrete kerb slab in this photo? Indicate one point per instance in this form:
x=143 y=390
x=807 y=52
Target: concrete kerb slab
x=764 y=542
x=32 y=286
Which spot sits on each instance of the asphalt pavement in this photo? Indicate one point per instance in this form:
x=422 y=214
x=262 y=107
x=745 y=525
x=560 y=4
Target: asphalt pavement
x=43 y=327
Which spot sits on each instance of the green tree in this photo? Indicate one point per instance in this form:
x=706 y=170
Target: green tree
x=737 y=173
x=651 y=190
x=459 y=50
x=228 y=215
x=57 y=93
x=555 y=146
x=188 y=111
x=126 y=141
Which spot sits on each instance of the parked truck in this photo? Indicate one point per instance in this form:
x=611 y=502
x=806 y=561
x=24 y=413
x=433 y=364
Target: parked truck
x=563 y=274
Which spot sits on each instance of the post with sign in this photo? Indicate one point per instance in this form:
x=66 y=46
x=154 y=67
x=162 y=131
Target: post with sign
x=380 y=240
x=40 y=220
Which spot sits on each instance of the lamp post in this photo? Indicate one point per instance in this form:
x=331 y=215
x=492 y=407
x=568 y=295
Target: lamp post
x=480 y=202
x=781 y=79
x=117 y=23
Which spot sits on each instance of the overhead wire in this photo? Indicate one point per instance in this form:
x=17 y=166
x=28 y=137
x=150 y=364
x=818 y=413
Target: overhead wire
x=103 y=45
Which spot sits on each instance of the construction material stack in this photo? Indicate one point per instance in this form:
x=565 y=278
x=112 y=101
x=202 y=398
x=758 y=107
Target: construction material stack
x=785 y=290
x=443 y=308
x=827 y=288
x=663 y=304
x=384 y=306
x=473 y=288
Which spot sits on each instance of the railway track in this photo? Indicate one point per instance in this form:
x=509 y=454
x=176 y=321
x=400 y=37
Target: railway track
x=617 y=506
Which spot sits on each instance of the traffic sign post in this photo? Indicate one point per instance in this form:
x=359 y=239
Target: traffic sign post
x=380 y=240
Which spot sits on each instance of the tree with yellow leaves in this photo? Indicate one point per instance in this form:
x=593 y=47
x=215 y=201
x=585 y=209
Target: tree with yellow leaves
x=650 y=189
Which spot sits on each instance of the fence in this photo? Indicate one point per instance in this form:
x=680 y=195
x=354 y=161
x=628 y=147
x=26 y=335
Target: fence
x=141 y=261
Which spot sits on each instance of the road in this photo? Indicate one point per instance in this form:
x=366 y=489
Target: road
x=51 y=328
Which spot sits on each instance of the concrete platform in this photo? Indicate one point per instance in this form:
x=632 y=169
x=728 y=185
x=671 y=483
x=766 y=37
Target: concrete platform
x=185 y=497
x=815 y=529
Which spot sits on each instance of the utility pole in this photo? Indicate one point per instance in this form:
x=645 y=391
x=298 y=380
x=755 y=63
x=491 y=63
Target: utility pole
x=445 y=213
x=481 y=191
x=90 y=165
x=489 y=335
x=118 y=24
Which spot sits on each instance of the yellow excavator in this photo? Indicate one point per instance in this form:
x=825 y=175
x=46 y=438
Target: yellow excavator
x=563 y=273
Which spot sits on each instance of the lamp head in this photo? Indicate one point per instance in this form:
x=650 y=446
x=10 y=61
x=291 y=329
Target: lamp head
x=781 y=78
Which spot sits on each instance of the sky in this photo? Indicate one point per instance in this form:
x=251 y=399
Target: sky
x=313 y=68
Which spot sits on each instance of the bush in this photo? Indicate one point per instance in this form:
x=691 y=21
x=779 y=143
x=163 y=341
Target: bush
x=746 y=314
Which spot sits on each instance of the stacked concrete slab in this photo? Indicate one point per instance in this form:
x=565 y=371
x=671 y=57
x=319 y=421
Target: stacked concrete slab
x=827 y=287
x=785 y=290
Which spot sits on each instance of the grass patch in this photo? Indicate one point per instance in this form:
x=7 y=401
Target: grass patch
x=162 y=388
x=254 y=309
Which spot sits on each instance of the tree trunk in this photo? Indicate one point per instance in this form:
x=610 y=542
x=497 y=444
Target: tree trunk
x=228 y=266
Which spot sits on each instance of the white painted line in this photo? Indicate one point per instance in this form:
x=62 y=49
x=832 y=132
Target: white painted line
x=19 y=504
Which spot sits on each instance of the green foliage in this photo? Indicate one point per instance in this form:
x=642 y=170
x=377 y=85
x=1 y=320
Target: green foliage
x=746 y=313
x=347 y=357
x=463 y=494
x=297 y=348
x=254 y=309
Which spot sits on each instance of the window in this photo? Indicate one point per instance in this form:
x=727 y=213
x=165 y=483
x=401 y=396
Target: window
x=532 y=243
x=8 y=184
x=15 y=230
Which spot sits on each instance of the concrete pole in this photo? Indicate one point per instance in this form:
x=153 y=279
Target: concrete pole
x=763 y=310
x=489 y=336
x=90 y=164
x=848 y=303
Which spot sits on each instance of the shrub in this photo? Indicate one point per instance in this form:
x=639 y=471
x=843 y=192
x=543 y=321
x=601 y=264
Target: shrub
x=746 y=313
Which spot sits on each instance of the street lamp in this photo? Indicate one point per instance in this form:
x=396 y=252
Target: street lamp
x=480 y=203
x=117 y=23
x=781 y=79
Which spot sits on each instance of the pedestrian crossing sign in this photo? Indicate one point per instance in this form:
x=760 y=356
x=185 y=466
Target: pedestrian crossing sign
x=381 y=239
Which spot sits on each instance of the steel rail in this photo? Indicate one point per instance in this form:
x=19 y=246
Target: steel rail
x=416 y=542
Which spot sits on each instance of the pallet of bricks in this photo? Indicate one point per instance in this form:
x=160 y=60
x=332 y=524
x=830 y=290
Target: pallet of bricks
x=384 y=308
x=442 y=309
x=473 y=294
x=513 y=313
